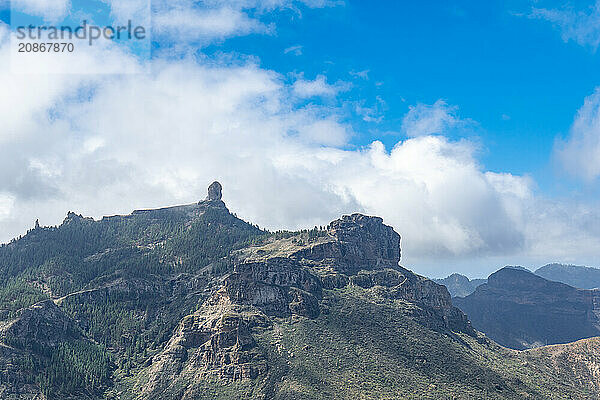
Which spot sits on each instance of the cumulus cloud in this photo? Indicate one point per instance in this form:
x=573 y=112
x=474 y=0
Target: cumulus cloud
x=579 y=25
x=580 y=152
x=424 y=119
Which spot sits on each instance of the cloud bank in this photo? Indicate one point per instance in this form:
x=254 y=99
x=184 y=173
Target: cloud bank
x=109 y=144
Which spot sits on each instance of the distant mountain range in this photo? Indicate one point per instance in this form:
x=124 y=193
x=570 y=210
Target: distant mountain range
x=573 y=275
x=190 y=302
x=577 y=276
x=521 y=310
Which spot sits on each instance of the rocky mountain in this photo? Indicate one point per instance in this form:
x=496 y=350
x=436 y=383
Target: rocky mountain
x=190 y=302
x=573 y=275
x=459 y=285
x=521 y=310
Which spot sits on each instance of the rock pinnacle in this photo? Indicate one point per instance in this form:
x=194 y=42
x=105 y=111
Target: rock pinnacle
x=214 y=192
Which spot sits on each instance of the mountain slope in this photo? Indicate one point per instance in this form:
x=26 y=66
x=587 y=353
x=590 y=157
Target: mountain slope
x=521 y=310
x=190 y=302
x=573 y=275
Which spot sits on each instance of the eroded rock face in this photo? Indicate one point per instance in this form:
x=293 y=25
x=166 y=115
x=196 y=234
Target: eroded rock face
x=436 y=311
x=215 y=341
x=268 y=286
x=361 y=243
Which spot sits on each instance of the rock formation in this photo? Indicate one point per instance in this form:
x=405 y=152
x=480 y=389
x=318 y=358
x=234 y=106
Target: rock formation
x=214 y=192
x=359 y=243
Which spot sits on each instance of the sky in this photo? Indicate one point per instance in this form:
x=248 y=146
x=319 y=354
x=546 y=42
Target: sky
x=472 y=128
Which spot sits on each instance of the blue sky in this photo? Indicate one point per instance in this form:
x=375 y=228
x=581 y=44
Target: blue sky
x=473 y=128
x=513 y=76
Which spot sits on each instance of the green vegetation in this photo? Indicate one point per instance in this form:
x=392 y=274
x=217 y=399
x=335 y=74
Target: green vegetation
x=116 y=276
x=125 y=283
x=76 y=368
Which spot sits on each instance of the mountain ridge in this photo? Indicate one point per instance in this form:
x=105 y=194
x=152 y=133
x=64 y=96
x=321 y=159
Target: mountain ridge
x=190 y=302
x=520 y=310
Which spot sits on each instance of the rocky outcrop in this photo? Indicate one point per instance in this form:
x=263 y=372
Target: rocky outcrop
x=213 y=198
x=436 y=309
x=360 y=243
x=521 y=310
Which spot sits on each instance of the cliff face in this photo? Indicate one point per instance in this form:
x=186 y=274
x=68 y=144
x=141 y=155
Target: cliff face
x=521 y=310
x=358 y=243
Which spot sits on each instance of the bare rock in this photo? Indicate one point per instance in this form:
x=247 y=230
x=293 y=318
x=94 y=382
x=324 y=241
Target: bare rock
x=360 y=243
x=215 y=191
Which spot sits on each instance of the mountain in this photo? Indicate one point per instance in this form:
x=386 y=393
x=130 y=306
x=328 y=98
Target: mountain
x=190 y=302
x=459 y=285
x=521 y=310
x=572 y=275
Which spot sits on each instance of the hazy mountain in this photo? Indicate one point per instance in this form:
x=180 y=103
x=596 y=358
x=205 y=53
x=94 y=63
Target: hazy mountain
x=190 y=302
x=573 y=275
x=460 y=285
x=519 y=309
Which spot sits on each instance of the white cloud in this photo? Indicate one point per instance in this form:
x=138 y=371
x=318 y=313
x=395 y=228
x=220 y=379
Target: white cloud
x=189 y=24
x=215 y=20
x=581 y=26
x=424 y=119
x=317 y=87
x=373 y=113
x=580 y=152
x=360 y=74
